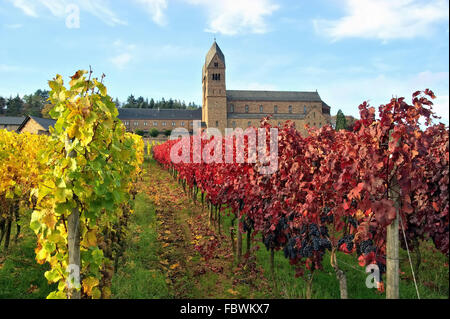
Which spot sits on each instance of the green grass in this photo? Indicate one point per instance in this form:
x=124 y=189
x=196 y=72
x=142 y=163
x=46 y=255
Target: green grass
x=138 y=275
x=433 y=281
x=21 y=277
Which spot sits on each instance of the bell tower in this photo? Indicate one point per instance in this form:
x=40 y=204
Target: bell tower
x=214 y=101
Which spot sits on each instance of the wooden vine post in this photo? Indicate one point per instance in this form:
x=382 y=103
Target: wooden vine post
x=239 y=240
x=392 y=240
x=73 y=241
x=392 y=245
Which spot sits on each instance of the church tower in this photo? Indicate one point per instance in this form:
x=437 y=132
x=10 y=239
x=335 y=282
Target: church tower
x=214 y=101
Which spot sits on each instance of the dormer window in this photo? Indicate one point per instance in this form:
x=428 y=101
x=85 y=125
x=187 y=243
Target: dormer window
x=216 y=64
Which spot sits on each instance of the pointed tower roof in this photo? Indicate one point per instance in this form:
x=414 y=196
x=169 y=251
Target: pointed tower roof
x=213 y=51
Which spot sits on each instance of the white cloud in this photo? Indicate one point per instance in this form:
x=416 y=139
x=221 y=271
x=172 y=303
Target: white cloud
x=14 y=26
x=156 y=10
x=441 y=107
x=121 y=60
x=385 y=19
x=58 y=8
x=347 y=94
x=230 y=17
x=7 y=68
x=124 y=55
x=26 y=6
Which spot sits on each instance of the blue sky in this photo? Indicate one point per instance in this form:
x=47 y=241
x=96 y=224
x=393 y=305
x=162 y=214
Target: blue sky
x=349 y=50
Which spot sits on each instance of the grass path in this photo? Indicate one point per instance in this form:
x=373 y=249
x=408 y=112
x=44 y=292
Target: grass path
x=161 y=260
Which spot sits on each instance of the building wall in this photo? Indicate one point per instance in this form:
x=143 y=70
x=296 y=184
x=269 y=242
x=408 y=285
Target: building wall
x=214 y=95
x=147 y=125
x=9 y=127
x=33 y=127
x=269 y=107
x=313 y=116
x=255 y=122
x=221 y=113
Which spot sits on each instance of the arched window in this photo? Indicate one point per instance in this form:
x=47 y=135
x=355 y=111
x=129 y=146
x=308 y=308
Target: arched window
x=231 y=108
x=290 y=108
x=275 y=109
x=261 y=109
x=249 y=123
x=246 y=109
x=304 y=109
x=233 y=124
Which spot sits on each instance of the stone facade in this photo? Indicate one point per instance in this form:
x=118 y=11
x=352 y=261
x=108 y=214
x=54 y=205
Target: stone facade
x=36 y=125
x=31 y=125
x=223 y=108
x=145 y=120
x=10 y=123
x=134 y=125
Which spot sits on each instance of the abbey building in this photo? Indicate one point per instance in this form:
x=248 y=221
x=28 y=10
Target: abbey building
x=224 y=108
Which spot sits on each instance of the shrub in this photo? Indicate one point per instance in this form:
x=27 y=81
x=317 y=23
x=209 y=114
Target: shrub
x=154 y=132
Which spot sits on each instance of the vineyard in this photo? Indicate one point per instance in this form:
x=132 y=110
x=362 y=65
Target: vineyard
x=78 y=183
x=106 y=219
x=336 y=191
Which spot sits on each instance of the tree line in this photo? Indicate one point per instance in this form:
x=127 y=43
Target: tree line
x=36 y=104
x=141 y=103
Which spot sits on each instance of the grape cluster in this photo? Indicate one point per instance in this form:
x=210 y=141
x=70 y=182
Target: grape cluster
x=381 y=267
x=325 y=216
x=365 y=247
x=324 y=231
x=248 y=224
x=314 y=240
x=269 y=241
x=290 y=250
x=352 y=222
x=282 y=225
x=313 y=230
x=347 y=240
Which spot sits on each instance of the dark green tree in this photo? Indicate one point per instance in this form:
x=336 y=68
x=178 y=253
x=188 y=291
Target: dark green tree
x=154 y=132
x=2 y=105
x=341 y=121
x=131 y=102
x=14 y=106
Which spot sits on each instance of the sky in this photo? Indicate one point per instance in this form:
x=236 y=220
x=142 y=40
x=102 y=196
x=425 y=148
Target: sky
x=350 y=51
